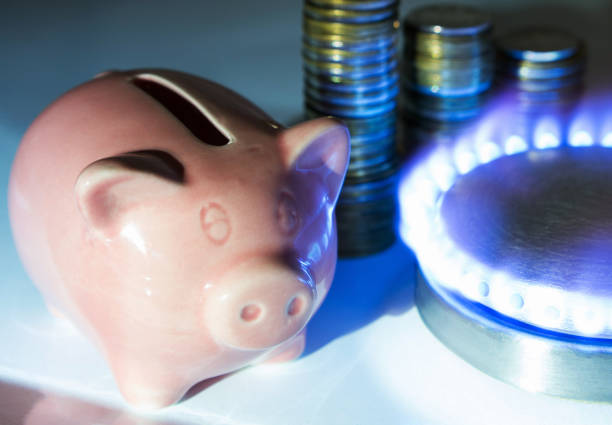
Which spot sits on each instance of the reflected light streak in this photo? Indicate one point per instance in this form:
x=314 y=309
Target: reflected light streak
x=131 y=233
x=533 y=372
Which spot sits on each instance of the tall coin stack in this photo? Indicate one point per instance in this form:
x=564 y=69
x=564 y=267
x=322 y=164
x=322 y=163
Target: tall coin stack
x=350 y=72
x=541 y=70
x=447 y=70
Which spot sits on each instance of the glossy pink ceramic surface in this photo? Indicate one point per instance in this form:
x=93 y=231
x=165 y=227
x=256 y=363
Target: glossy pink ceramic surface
x=177 y=225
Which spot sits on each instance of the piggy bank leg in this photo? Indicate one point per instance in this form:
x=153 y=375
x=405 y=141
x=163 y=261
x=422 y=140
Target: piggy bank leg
x=289 y=350
x=148 y=395
x=148 y=387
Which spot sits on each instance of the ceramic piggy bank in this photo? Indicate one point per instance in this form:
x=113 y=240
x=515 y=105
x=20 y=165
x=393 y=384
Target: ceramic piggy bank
x=177 y=225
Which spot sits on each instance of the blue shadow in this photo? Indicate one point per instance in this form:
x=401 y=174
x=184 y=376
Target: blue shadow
x=363 y=290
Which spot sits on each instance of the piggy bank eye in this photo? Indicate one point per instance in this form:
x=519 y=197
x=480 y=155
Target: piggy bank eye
x=215 y=223
x=183 y=110
x=287 y=214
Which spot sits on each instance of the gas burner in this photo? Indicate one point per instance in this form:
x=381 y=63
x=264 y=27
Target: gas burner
x=511 y=223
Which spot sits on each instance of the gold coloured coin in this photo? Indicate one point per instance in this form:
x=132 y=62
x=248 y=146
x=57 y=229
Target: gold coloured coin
x=314 y=27
x=350 y=16
x=351 y=43
x=449 y=65
x=354 y=4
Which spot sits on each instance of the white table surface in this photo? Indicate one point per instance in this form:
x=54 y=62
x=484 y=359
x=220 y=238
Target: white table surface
x=369 y=358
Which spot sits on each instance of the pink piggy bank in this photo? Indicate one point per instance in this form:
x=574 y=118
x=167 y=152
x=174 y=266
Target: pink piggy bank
x=177 y=225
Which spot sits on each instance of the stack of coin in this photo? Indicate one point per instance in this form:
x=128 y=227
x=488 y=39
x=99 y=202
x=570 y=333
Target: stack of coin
x=448 y=67
x=541 y=69
x=350 y=72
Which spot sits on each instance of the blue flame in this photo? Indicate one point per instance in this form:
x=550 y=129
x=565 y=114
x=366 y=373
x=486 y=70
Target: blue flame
x=515 y=144
x=422 y=189
x=547 y=133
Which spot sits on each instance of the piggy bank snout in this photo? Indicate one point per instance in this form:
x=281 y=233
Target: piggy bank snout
x=256 y=311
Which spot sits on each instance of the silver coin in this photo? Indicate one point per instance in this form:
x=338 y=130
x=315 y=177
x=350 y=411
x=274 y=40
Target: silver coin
x=379 y=214
x=351 y=112
x=363 y=240
x=317 y=28
x=388 y=170
x=359 y=99
x=350 y=72
x=351 y=86
x=460 y=90
x=369 y=150
x=449 y=20
x=380 y=211
x=363 y=132
x=370 y=191
x=354 y=4
x=349 y=58
x=380 y=208
x=374 y=138
x=450 y=78
x=351 y=44
x=349 y=15
x=448 y=65
x=351 y=249
x=375 y=172
x=388 y=149
x=426 y=130
x=445 y=103
x=366 y=155
x=360 y=163
x=360 y=220
x=362 y=127
x=374 y=144
x=442 y=115
x=368 y=201
x=365 y=225
x=544 y=84
x=567 y=95
x=539 y=44
x=365 y=222
x=553 y=72
x=435 y=46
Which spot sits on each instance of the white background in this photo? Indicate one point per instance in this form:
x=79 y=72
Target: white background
x=369 y=358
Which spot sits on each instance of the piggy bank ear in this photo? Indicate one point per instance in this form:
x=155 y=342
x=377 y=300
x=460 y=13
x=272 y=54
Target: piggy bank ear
x=320 y=146
x=109 y=187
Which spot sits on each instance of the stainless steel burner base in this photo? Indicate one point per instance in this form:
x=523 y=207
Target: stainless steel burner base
x=524 y=356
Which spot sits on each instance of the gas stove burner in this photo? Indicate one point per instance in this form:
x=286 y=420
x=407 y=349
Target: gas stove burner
x=522 y=355
x=512 y=227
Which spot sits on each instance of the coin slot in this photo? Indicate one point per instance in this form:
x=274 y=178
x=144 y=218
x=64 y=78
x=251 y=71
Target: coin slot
x=184 y=111
x=153 y=161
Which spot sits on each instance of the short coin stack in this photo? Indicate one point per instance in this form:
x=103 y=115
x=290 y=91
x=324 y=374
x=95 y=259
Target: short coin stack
x=350 y=72
x=542 y=69
x=448 y=67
